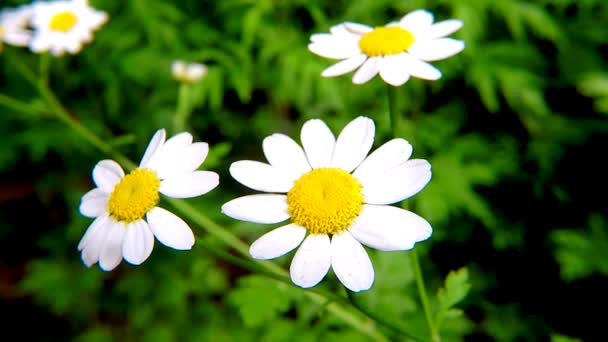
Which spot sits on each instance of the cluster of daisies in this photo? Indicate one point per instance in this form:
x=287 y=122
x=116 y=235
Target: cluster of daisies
x=58 y=27
x=329 y=195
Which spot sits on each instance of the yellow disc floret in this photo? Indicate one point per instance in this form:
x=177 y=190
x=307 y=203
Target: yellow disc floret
x=134 y=196
x=325 y=200
x=63 y=21
x=388 y=40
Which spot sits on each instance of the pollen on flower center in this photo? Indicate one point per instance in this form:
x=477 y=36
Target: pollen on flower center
x=325 y=200
x=388 y=40
x=63 y=21
x=134 y=196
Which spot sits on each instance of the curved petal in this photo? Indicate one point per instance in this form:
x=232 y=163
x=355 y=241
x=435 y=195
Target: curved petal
x=111 y=251
x=392 y=70
x=417 y=21
x=436 y=49
x=335 y=47
x=178 y=158
x=94 y=203
x=312 y=261
x=138 y=242
x=157 y=141
x=189 y=184
x=93 y=241
x=284 y=153
x=260 y=176
x=92 y=232
x=277 y=242
x=344 y=66
x=389 y=228
x=420 y=69
x=368 y=70
x=264 y=208
x=443 y=28
x=356 y=28
x=353 y=144
x=396 y=184
x=385 y=157
x=169 y=229
x=351 y=263
x=318 y=142
x=106 y=174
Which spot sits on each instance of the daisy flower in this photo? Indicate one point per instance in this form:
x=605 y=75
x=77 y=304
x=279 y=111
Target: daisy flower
x=336 y=199
x=397 y=51
x=13 y=23
x=188 y=72
x=63 y=26
x=125 y=206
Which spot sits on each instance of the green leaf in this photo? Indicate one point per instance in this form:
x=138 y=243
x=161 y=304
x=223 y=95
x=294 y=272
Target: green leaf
x=456 y=288
x=259 y=300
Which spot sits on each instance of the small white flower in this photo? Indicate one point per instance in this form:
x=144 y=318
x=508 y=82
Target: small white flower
x=13 y=23
x=396 y=51
x=188 y=72
x=63 y=26
x=332 y=191
x=124 y=207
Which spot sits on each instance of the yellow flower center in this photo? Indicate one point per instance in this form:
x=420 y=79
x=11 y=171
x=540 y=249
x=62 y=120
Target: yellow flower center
x=388 y=40
x=325 y=200
x=134 y=196
x=63 y=21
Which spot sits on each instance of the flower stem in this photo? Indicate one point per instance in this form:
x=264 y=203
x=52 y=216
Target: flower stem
x=424 y=299
x=183 y=109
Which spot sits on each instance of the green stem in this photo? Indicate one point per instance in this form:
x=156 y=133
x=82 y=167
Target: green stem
x=20 y=106
x=44 y=68
x=392 y=109
x=433 y=333
x=183 y=109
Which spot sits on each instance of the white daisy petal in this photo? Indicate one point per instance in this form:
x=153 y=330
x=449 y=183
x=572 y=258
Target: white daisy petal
x=443 y=28
x=420 y=69
x=335 y=49
x=94 y=203
x=106 y=174
x=154 y=145
x=189 y=184
x=368 y=70
x=277 y=242
x=177 y=156
x=397 y=183
x=169 y=229
x=344 y=66
x=392 y=70
x=264 y=208
x=260 y=176
x=138 y=242
x=285 y=154
x=318 y=142
x=388 y=228
x=351 y=263
x=93 y=243
x=353 y=143
x=111 y=251
x=436 y=49
x=417 y=20
x=359 y=29
x=312 y=261
x=92 y=232
x=385 y=157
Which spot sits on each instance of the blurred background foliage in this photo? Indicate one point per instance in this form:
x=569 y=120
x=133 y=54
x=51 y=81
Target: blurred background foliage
x=512 y=131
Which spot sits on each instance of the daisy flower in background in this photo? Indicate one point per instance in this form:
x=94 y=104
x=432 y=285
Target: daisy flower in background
x=188 y=72
x=396 y=51
x=332 y=191
x=63 y=26
x=125 y=206
x=13 y=26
